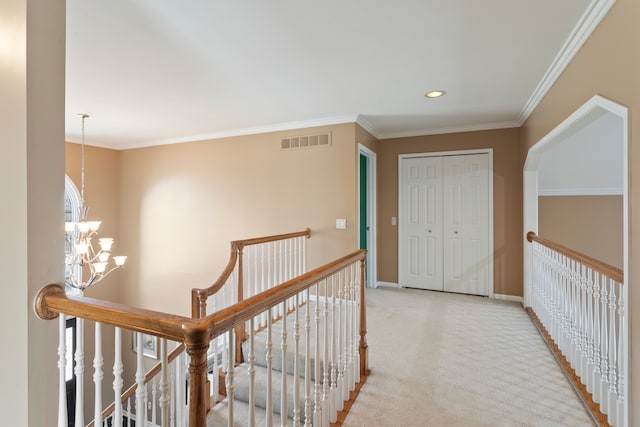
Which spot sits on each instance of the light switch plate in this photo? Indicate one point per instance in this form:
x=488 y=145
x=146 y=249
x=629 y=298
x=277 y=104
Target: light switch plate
x=341 y=224
x=394 y=221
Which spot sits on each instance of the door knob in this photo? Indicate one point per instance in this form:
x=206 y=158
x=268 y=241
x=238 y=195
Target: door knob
x=455 y=232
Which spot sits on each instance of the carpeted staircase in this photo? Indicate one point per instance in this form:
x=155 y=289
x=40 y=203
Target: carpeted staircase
x=219 y=414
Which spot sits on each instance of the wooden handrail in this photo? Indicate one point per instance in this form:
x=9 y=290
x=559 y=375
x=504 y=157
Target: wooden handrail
x=596 y=265
x=196 y=334
x=148 y=376
x=200 y=295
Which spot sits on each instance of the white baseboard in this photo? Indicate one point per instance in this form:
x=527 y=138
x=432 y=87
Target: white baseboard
x=508 y=298
x=386 y=284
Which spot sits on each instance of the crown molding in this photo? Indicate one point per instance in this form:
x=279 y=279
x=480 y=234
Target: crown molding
x=590 y=19
x=280 y=127
x=450 y=129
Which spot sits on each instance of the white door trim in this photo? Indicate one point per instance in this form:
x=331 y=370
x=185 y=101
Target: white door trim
x=372 y=264
x=488 y=151
x=591 y=110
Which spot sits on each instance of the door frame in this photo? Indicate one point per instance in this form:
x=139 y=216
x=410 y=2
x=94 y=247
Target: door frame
x=372 y=219
x=489 y=152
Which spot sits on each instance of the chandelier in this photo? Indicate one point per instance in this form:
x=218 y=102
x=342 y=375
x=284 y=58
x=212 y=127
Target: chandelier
x=85 y=264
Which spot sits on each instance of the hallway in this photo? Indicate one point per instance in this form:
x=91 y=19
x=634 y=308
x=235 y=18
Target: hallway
x=442 y=359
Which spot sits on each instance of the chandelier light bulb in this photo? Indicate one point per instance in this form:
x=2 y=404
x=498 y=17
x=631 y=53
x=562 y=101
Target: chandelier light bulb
x=69 y=226
x=83 y=226
x=100 y=267
x=103 y=256
x=94 y=225
x=105 y=243
x=120 y=260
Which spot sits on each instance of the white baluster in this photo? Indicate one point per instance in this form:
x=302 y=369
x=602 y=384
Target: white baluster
x=62 y=366
x=352 y=326
x=622 y=354
x=252 y=374
x=586 y=380
x=296 y=363
x=307 y=364
x=604 y=342
x=263 y=315
x=333 y=366
x=256 y=281
x=154 y=399
x=340 y=363
x=79 y=371
x=325 y=358
x=231 y=387
x=140 y=390
x=317 y=410
x=118 y=382
x=283 y=384
x=173 y=393
x=98 y=375
x=181 y=393
x=269 y=356
x=128 y=423
x=357 y=304
x=164 y=383
x=613 y=349
x=595 y=375
x=346 y=375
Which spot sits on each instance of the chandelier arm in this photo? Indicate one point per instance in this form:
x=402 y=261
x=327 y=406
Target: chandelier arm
x=110 y=271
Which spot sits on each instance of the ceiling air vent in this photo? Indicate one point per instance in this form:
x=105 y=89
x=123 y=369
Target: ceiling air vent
x=307 y=141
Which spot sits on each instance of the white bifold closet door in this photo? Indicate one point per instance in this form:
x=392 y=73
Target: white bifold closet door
x=444 y=223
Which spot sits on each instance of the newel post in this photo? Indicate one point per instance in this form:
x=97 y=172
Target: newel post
x=197 y=344
x=364 y=347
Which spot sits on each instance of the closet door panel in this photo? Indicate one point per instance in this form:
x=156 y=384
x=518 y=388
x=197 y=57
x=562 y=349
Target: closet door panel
x=420 y=222
x=466 y=216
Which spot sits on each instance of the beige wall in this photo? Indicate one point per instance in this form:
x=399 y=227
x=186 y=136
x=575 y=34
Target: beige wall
x=588 y=224
x=608 y=65
x=507 y=195
x=31 y=190
x=182 y=204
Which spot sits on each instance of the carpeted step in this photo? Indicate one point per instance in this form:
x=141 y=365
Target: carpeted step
x=219 y=415
x=260 y=346
x=241 y=381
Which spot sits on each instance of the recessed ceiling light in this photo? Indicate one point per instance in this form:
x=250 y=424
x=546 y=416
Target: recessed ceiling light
x=434 y=94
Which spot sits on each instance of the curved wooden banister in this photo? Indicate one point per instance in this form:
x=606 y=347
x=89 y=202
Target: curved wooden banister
x=596 y=265
x=199 y=295
x=147 y=378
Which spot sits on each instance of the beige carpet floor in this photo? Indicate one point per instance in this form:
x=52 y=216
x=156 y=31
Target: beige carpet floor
x=442 y=359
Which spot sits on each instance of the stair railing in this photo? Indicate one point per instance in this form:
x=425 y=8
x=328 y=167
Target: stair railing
x=196 y=334
x=580 y=303
x=254 y=265
x=267 y=262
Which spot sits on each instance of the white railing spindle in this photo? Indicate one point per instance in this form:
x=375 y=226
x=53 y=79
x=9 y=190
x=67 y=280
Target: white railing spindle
x=98 y=375
x=583 y=311
x=79 y=371
x=62 y=366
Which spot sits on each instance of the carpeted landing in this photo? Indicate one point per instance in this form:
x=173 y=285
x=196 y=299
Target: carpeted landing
x=441 y=359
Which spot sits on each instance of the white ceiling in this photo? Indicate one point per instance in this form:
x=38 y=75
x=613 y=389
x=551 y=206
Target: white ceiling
x=159 y=71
